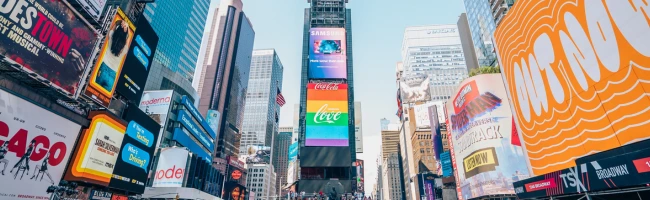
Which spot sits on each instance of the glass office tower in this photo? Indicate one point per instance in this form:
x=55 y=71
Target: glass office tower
x=482 y=26
x=262 y=111
x=180 y=26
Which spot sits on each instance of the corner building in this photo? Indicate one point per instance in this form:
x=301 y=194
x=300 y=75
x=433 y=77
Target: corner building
x=327 y=145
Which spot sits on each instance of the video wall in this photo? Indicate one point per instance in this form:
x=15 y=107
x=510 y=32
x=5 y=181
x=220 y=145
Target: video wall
x=327 y=115
x=327 y=53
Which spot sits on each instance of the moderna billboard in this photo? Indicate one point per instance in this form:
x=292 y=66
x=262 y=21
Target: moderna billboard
x=577 y=74
x=327 y=53
x=485 y=145
x=327 y=114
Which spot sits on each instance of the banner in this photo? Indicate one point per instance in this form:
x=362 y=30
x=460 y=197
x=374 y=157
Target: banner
x=213 y=118
x=171 y=168
x=293 y=158
x=327 y=53
x=46 y=38
x=445 y=161
x=577 y=86
x=135 y=72
x=618 y=168
x=33 y=151
x=109 y=64
x=327 y=114
x=481 y=130
x=157 y=104
x=360 y=175
x=415 y=88
x=358 y=133
x=93 y=7
x=422 y=114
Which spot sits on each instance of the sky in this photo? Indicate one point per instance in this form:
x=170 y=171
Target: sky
x=377 y=33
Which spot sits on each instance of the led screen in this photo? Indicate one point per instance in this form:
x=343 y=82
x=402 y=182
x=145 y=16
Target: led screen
x=327 y=114
x=327 y=55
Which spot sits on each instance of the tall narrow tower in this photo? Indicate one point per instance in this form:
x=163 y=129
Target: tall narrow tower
x=326 y=127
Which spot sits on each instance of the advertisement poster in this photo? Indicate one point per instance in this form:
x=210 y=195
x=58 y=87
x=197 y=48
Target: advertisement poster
x=360 y=176
x=115 y=153
x=415 y=88
x=358 y=133
x=55 y=45
x=293 y=158
x=481 y=131
x=171 y=168
x=256 y=154
x=157 y=104
x=33 y=152
x=234 y=191
x=422 y=114
x=213 y=118
x=327 y=114
x=445 y=162
x=590 y=75
x=327 y=54
x=135 y=71
x=111 y=58
x=93 y=7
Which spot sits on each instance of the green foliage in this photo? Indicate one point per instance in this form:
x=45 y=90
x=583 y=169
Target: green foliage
x=485 y=70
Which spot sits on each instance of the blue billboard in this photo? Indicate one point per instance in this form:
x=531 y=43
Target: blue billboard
x=198 y=132
x=445 y=161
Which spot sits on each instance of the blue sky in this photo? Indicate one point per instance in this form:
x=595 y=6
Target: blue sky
x=377 y=29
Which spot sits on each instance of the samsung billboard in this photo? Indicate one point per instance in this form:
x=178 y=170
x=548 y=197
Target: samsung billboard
x=327 y=53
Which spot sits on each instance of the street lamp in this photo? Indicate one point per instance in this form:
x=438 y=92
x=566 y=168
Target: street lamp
x=69 y=188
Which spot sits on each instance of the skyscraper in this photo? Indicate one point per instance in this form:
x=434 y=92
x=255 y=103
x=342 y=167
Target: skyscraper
x=225 y=81
x=281 y=157
x=500 y=8
x=180 y=26
x=434 y=51
x=482 y=26
x=327 y=89
x=261 y=111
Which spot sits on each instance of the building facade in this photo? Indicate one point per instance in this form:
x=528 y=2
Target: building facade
x=392 y=182
x=500 y=8
x=180 y=26
x=261 y=181
x=325 y=18
x=281 y=157
x=226 y=73
x=468 y=45
x=482 y=26
x=261 y=113
x=434 y=51
x=163 y=78
x=389 y=140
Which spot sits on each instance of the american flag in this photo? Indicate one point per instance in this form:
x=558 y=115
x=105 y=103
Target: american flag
x=399 y=104
x=280 y=99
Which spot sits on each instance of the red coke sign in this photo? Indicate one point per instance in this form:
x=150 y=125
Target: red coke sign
x=326 y=86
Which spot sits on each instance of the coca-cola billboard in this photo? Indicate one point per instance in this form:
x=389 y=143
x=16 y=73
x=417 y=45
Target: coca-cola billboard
x=327 y=114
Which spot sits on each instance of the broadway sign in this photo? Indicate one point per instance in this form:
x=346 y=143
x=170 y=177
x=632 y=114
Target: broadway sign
x=622 y=167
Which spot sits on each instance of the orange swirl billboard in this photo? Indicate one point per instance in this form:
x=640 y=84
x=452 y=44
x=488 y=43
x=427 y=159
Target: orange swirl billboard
x=578 y=76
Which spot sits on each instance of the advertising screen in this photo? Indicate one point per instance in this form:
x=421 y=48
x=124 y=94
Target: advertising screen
x=234 y=191
x=157 y=104
x=114 y=153
x=55 y=44
x=445 y=161
x=33 y=151
x=111 y=58
x=212 y=119
x=579 y=87
x=327 y=53
x=415 y=88
x=137 y=151
x=171 y=168
x=481 y=134
x=358 y=133
x=133 y=76
x=293 y=158
x=258 y=154
x=360 y=175
x=327 y=114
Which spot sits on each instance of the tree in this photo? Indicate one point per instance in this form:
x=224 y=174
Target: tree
x=485 y=70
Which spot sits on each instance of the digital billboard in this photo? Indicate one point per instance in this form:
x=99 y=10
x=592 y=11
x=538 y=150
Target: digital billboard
x=114 y=153
x=579 y=85
x=157 y=104
x=481 y=122
x=358 y=133
x=93 y=7
x=257 y=154
x=171 y=168
x=111 y=58
x=327 y=114
x=135 y=71
x=415 y=88
x=293 y=159
x=33 y=152
x=327 y=53
x=46 y=39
